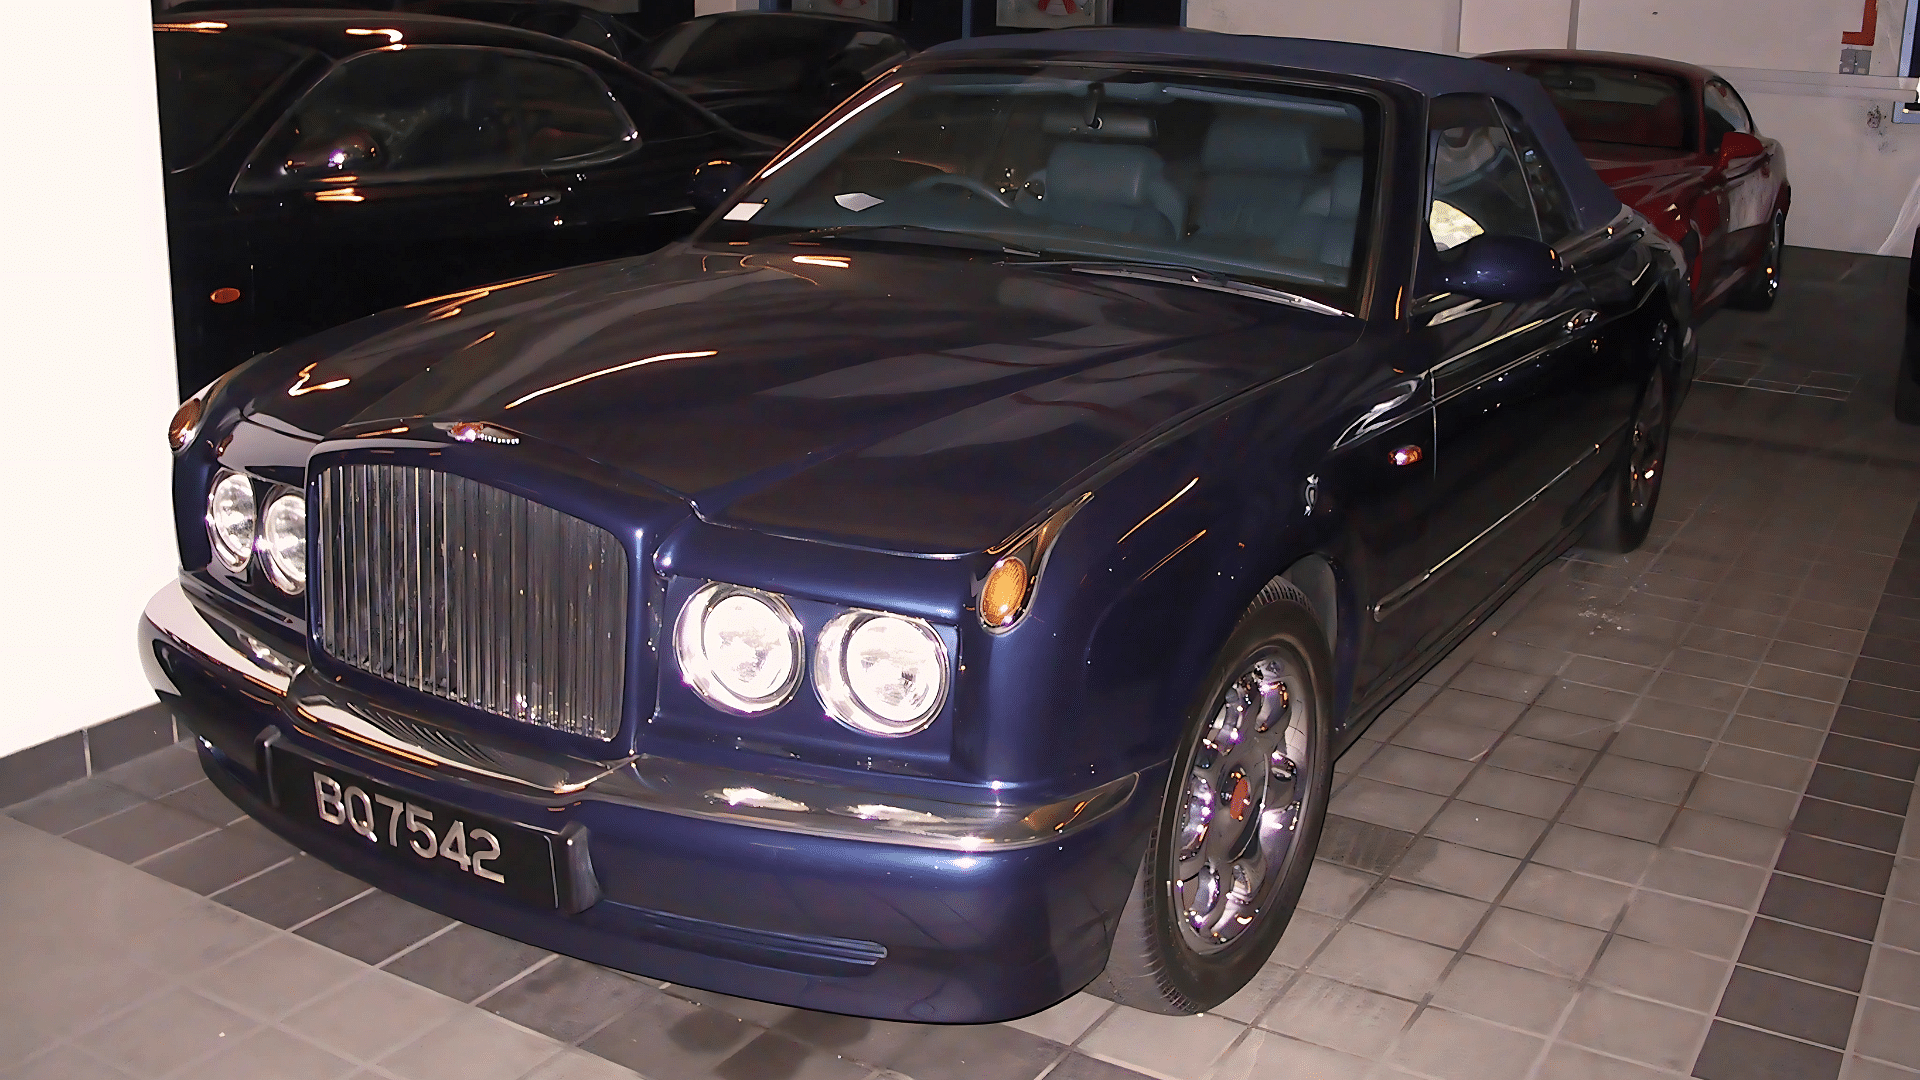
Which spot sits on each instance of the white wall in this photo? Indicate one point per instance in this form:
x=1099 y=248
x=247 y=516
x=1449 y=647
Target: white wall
x=1854 y=172
x=88 y=369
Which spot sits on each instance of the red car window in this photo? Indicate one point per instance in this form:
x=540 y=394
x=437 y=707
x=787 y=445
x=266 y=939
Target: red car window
x=1615 y=105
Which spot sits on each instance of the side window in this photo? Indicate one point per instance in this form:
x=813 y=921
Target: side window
x=1550 y=201
x=1725 y=112
x=1477 y=182
x=429 y=112
x=657 y=114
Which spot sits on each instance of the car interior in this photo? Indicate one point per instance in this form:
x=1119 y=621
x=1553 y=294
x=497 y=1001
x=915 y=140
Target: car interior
x=1615 y=105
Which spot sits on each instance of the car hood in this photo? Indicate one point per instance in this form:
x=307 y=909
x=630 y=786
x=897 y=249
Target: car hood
x=923 y=403
x=1646 y=178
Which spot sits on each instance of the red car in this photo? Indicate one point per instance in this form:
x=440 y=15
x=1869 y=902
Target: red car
x=1676 y=143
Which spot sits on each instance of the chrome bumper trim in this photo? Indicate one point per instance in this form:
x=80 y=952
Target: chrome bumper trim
x=663 y=785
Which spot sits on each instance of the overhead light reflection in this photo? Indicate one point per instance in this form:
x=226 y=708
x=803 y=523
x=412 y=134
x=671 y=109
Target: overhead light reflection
x=609 y=371
x=393 y=36
x=300 y=386
x=193 y=27
x=479 y=293
x=834 y=261
x=345 y=194
x=831 y=128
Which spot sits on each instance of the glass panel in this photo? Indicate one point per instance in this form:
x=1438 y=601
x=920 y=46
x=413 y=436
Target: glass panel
x=1550 y=201
x=1615 y=105
x=1724 y=113
x=1255 y=179
x=207 y=82
x=1478 y=184
x=749 y=53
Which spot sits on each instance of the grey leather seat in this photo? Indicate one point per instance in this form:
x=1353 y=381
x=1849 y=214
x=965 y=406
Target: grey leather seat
x=1116 y=188
x=1323 y=229
x=1255 y=172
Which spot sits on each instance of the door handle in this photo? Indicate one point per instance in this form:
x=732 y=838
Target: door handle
x=1580 y=320
x=532 y=199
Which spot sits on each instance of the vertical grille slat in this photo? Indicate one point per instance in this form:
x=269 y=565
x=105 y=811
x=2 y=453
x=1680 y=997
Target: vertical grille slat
x=460 y=590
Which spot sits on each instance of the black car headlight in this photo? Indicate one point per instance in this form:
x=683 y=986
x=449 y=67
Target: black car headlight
x=740 y=649
x=881 y=674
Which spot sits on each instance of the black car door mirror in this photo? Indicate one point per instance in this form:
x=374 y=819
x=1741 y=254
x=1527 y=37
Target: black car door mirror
x=1502 y=268
x=714 y=181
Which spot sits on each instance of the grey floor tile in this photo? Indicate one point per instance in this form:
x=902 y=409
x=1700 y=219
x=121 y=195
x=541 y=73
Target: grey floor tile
x=292 y=892
x=1066 y=1022
x=567 y=998
x=1572 y=729
x=670 y=1039
x=272 y=1053
x=1900 y=925
x=1725 y=838
x=1437 y=735
x=374 y=927
x=1618 y=815
x=1380 y=961
x=1162 y=1045
x=1807 y=954
x=1428 y=915
x=1760 y=766
x=1647 y=739
x=1786 y=1006
x=64 y=1062
x=160 y=772
x=1567 y=896
x=135 y=833
x=1523 y=939
x=1565 y=1061
x=166 y=1032
x=1488 y=829
x=219 y=859
x=1474 y=710
x=370 y=1016
x=1505 y=994
x=1595 y=701
x=1894 y=976
x=1684 y=924
x=1887 y=1031
x=465 y=962
x=1339 y=1015
x=205 y=802
x=1456 y=868
x=1305 y=932
x=1640 y=779
x=1385 y=804
x=1663 y=973
x=1333 y=889
x=79 y=803
x=1417 y=769
x=1716 y=881
x=1652 y=1034
x=1456 y=1047
x=971 y=1052
x=1082 y=1067
x=1774 y=736
x=1610 y=674
x=1263 y=1053
x=1536 y=757
x=1600 y=854
x=773 y=1054
x=282 y=973
x=1518 y=792
x=1498 y=681
x=471 y=1045
x=1858 y=1068
x=1246 y=1005
x=1737 y=799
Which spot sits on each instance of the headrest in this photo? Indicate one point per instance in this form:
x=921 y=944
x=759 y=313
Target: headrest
x=1098 y=172
x=1347 y=184
x=1259 y=144
x=1106 y=125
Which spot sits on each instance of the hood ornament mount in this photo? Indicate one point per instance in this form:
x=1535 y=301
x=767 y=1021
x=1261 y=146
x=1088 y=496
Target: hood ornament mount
x=470 y=431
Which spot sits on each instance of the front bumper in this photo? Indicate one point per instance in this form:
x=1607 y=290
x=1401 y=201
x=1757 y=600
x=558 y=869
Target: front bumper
x=855 y=902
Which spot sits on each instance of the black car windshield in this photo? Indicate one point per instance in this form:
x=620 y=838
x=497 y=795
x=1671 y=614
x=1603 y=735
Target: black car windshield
x=207 y=82
x=771 y=52
x=1262 y=180
x=1601 y=103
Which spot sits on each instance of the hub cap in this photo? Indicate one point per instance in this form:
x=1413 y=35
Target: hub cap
x=1242 y=804
x=1648 y=456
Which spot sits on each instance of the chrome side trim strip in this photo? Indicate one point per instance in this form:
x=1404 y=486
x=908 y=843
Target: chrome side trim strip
x=664 y=785
x=1401 y=595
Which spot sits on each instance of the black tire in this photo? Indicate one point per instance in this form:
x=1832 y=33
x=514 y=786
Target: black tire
x=1158 y=963
x=1757 y=293
x=1906 y=387
x=1621 y=521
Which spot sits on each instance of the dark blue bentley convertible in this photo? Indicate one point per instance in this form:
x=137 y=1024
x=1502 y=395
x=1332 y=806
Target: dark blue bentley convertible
x=944 y=582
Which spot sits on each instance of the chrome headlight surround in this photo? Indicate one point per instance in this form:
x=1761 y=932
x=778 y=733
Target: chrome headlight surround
x=282 y=543
x=232 y=519
x=837 y=682
x=696 y=637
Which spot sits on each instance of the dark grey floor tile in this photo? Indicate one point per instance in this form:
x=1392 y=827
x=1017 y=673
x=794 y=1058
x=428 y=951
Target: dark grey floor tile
x=1732 y=1052
x=221 y=858
x=1872 y=757
x=205 y=802
x=1764 y=1000
x=1361 y=845
x=771 y=1055
x=124 y=738
x=373 y=927
x=1883 y=793
x=1806 y=954
x=1886 y=673
x=973 y=1052
x=1822 y=906
x=290 y=894
x=568 y=998
x=1879 y=727
x=1837 y=864
x=80 y=803
x=466 y=962
x=666 y=1038
x=1886 y=699
x=39 y=769
x=1848 y=824
x=1081 y=1067
x=136 y=833
x=160 y=772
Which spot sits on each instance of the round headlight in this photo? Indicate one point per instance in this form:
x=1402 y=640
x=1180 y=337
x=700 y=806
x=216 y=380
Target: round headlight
x=739 y=648
x=283 y=540
x=230 y=518
x=881 y=674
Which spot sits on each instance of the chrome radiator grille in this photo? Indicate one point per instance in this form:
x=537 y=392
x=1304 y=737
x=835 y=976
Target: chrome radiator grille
x=471 y=594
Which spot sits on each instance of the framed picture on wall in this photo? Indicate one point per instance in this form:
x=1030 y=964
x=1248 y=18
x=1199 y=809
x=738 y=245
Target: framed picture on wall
x=877 y=10
x=1054 y=14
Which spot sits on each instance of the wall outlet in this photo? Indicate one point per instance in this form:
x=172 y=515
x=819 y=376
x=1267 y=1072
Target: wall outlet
x=1856 y=61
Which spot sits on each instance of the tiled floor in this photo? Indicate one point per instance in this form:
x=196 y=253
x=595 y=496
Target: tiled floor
x=1649 y=821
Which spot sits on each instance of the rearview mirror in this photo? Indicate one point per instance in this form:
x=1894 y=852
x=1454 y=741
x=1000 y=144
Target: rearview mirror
x=714 y=181
x=1502 y=268
x=1737 y=146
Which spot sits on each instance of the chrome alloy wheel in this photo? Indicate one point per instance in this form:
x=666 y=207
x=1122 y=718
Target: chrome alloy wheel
x=1242 y=804
x=1647 y=455
x=1776 y=248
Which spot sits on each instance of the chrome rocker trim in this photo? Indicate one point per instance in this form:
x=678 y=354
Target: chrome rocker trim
x=647 y=782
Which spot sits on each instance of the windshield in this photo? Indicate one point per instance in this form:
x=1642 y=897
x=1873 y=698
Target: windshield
x=1615 y=105
x=776 y=52
x=1258 y=180
x=207 y=82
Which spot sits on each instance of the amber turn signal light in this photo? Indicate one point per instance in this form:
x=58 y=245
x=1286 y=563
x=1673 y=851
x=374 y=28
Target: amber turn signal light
x=225 y=295
x=1406 y=455
x=185 y=423
x=1005 y=592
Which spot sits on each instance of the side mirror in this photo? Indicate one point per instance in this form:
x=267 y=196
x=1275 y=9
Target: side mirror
x=1738 y=146
x=714 y=181
x=1502 y=268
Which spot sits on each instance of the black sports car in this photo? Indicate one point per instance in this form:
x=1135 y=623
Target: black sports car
x=323 y=165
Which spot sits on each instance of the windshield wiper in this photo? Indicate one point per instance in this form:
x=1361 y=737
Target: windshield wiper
x=917 y=235
x=1181 y=274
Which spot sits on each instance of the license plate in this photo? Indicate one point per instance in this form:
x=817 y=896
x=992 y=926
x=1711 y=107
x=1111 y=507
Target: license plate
x=491 y=855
